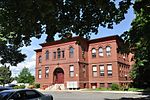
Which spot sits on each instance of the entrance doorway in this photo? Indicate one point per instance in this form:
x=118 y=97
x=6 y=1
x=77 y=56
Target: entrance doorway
x=58 y=76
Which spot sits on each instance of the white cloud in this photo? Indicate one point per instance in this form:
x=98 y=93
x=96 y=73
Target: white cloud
x=29 y=63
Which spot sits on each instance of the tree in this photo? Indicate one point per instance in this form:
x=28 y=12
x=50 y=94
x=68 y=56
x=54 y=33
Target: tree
x=11 y=54
x=137 y=40
x=5 y=75
x=25 y=76
x=22 y=19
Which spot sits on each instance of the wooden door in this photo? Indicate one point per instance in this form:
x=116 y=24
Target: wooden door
x=60 y=78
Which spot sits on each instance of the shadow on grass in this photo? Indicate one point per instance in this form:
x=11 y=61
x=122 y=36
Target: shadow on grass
x=145 y=94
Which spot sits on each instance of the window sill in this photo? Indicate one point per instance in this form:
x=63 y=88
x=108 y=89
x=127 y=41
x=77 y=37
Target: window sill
x=58 y=59
x=109 y=76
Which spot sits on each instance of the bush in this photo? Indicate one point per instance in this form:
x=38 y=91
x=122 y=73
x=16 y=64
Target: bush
x=22 y=86
x=19 y=87
x=103 y=89
x=115 y=87
x=37 y=85
x=31 y=86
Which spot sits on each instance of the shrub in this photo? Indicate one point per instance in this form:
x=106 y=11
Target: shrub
x=19 y=87
x=37 y=85
x=115 y=86
x=16 y=87
x=22 y=86
x=31 y=86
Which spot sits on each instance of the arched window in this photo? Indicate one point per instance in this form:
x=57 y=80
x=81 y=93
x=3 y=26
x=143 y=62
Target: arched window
x=58 y=53
x=47 y=55
x=71 y=52
x=63 y=54
x=93 y=53
x=40 y=59
x=108 y=51
x=100 y=50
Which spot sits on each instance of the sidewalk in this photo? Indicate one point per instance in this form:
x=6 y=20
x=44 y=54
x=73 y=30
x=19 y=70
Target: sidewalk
x=84 y=90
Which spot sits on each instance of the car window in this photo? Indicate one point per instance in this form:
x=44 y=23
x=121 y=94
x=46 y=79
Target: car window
x=20 y=95
x=5 y=95
x=4 y=88
x=32 y=94
x=16 y=96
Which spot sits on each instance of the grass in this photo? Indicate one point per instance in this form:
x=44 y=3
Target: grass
x=109 y=89
x=135 y=89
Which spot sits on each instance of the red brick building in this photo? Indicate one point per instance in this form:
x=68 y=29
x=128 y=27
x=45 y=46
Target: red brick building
x=81 y=63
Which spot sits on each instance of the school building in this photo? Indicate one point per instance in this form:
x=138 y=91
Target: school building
x=80 y=63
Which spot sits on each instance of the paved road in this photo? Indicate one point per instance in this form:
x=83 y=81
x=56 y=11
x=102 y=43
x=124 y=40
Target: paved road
x=82 y=95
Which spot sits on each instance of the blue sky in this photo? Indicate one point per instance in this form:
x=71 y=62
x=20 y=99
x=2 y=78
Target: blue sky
x=103 y=32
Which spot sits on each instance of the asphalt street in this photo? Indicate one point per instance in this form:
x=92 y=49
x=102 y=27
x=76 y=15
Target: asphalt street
x=85 y=95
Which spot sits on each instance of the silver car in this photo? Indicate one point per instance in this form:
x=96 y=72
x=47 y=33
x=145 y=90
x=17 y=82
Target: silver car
x=24 y=94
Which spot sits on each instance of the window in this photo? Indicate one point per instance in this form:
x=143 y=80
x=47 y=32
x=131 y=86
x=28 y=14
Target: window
x=108 y=51
x=71 y=71
x=109 y=85
x=94 y=69
x=58 y=53
x=93 y=53
x=71 y=52
x=63 y=54
x=109 y=69
x=31 y=94
x=47 y=55
x=102 y=85
x=40 y=59
x=39 y=73
x=84 y=71
x=100 y=51
x=101 y=70
x=54 y=55
x=83 y=52
x=46 y=72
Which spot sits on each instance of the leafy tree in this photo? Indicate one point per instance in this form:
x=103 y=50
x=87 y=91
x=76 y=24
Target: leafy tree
x=137 y=39
x=5 y=75
x=22 y=19
x=25 y=76
x=11 y=54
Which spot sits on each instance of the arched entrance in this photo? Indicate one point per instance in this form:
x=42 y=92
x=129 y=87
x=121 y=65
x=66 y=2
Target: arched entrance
x=58 y=76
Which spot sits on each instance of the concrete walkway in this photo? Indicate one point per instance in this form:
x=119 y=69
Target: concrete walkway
x=84 y=90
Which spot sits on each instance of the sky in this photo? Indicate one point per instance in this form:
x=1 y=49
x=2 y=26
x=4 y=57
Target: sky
x=103 y=32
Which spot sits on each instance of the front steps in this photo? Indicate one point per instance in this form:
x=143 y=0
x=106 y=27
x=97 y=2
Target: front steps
x=56 y=87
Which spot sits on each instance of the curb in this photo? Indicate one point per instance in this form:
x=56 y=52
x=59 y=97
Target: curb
x=117 y=92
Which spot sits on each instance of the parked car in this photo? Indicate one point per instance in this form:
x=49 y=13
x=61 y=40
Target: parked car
x=4 y=88
x=24 y=94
